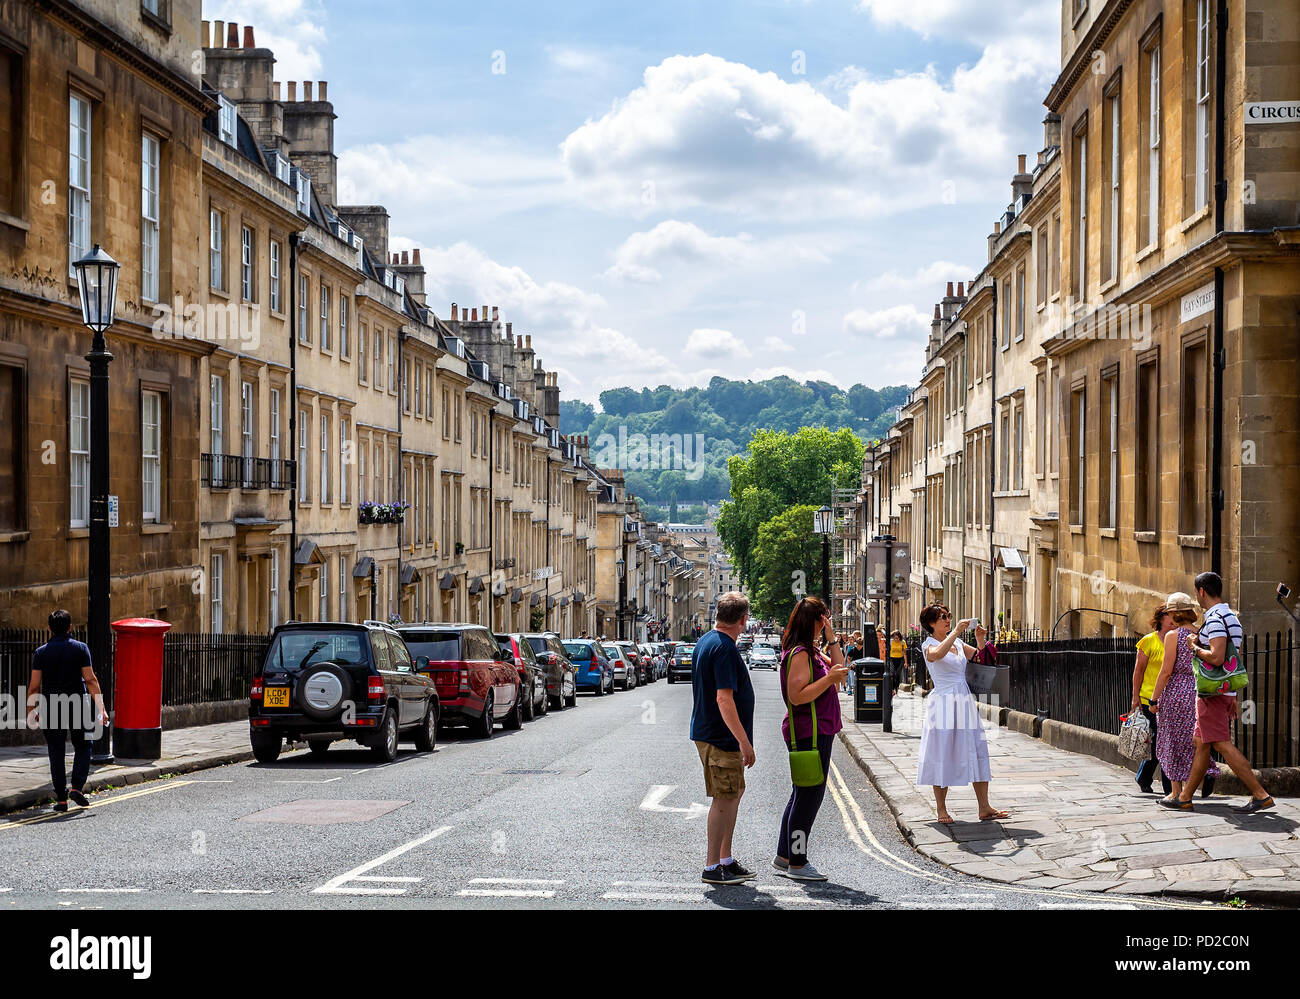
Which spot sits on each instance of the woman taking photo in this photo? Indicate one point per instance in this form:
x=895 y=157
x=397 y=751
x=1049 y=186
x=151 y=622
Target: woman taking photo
x=1150 y=657
x=953 y=748
x=808 y=680
x=1174 y=696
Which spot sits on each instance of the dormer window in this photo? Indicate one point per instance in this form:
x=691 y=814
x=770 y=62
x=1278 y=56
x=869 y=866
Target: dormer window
x=226 y=120
x=303 y=184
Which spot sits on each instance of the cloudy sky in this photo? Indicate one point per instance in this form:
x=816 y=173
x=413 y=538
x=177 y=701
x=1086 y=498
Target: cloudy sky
x=663 y=192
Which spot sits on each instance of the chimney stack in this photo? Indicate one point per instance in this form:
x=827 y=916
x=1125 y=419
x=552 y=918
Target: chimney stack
x=218 y=34
x=293 y=91
x=306 y=90
x=473 y=314
x=232 y=35
x=997 y=228
x=405 y=257
x=248 y=37
x=321 y=92
x=454 y=313
x=415 y=254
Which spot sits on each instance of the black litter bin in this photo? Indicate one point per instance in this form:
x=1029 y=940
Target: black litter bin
x=872 y=696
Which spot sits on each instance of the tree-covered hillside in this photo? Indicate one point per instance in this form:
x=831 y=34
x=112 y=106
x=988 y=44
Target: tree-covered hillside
x=727 y=414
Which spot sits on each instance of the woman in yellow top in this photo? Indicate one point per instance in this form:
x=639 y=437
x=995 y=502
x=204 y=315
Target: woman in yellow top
x=1150 y=657
x=897 y=655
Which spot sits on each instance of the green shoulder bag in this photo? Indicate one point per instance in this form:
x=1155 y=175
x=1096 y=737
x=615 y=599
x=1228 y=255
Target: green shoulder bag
x=805 y=764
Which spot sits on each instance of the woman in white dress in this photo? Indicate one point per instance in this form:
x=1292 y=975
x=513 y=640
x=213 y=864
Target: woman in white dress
x=953 y=748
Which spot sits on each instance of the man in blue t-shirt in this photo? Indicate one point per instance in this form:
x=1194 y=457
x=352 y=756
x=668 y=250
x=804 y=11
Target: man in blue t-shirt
x=722 y=728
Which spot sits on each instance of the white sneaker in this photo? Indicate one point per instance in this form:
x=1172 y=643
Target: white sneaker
x=805 y=873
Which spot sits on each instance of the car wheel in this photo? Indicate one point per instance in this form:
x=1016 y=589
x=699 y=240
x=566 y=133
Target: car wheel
x=318 y=747
x=384 y=748
x=670 y=679
x=546 y=704
x=515 y=720
x=530 y=702
x=485 y=724
x=426 y=736
x=557 y=702
x=266 y=746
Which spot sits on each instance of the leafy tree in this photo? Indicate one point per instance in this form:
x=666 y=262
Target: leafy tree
x=789 y=556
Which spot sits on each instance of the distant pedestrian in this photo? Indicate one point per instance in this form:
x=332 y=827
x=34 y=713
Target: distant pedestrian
x=1173 y=697
x=62 y=676
x=722 y=728
x=852 y=652
x=898 y=657
x=954 y=750
x=808 y=680
x=1220 y=637
x=1146 y=667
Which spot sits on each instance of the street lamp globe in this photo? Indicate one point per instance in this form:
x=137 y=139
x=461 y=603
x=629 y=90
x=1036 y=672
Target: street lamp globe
x=97 y=278
x=822 y=520
x=622 y=568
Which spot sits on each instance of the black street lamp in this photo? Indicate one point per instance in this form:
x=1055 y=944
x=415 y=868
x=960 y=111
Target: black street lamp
x=97 y=279
x=622 y=594
x=822 y=524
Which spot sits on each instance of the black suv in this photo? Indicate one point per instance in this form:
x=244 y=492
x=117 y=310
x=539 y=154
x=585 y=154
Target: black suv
x=561 y=677
x=334 y=680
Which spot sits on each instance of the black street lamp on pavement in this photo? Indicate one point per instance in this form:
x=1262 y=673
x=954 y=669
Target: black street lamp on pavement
x=822 y=524
x=622 y=594
x=97 y=278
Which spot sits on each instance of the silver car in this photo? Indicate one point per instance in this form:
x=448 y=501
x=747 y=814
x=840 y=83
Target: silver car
x=624 y=671
x=762 y=657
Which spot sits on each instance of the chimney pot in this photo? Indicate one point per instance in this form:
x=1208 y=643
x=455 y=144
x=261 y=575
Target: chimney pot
x=205 y=34
x=306 y=90
x=248 y=37
x=961 y=289
x=415 y=256
x=232 y=35
x=1021 y=163
x=473 y=314
x=494 y=313
x=528 y=341
x=218 y=34
x=275 y=90
x=936 y=310
x=293 y=91
x=405 y=258
x=321 y=92
x=948 y=293
x=997 y=228
x=454 y=311
x=485 y=313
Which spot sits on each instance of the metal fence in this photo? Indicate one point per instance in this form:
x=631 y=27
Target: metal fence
x=197 y=668
x=1089 y=682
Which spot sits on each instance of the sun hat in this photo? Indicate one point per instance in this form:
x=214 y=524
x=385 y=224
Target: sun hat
x=1181 y=602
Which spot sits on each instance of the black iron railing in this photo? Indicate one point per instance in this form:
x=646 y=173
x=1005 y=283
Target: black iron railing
x=234 y=471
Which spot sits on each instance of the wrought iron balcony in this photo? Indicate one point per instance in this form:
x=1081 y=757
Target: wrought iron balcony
x=234 y=471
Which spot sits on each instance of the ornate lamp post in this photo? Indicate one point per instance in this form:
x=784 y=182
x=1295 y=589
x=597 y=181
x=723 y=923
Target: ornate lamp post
x=822 y=524
x=622 y=594
x=97 y=278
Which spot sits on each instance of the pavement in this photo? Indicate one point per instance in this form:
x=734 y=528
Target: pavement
x=600 y=806
x=25 y=770
x=1079 y=824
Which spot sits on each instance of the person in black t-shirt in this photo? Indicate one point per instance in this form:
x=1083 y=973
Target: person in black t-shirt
x=62 y=675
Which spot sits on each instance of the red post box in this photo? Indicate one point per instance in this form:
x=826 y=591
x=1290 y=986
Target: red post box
x=137 y=688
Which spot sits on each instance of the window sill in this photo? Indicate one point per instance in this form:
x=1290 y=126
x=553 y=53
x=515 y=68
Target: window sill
x=1196 y=218
x=155 y=528
x=1109 y=532
x=1076 y=528
x=1010 y=493
x=1193 y=541
x=77 y=533
x=14 y=222
x=1146 y=537
x=1108 y=285
x=219 y=292
x=1146 y=252
x=11 y=537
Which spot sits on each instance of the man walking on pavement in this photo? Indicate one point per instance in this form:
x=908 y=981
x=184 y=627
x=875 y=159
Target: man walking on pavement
x=722 y=728
x=1214 y=715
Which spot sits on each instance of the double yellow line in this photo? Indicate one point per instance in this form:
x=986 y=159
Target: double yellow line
x=46 y=817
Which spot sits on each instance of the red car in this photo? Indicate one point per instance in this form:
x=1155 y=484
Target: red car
x=476 y=685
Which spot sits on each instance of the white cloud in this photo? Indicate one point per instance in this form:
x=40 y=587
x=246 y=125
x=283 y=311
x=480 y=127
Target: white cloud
x=1034 y=25
x=294 y=29
x=814 y=375
x=778 y=346
x=572 y=59
x=676 y=243
x=704 y=131
x=715 y=344
x=930 y=279
x=886 y=324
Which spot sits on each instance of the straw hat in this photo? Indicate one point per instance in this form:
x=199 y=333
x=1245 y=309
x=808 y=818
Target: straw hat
x=1181 y=602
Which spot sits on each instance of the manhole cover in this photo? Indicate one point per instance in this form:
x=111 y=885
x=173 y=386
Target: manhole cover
x=324 y=811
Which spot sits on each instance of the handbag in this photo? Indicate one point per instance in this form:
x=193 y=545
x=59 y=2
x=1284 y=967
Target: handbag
x=986 y=678
x=1135 y=736
x=1211 y=681
x=805 y=764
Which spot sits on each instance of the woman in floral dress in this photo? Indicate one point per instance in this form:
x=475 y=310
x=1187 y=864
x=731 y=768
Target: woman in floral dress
x=1174 y=695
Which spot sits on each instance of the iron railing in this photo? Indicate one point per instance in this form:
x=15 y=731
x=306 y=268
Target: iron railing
x=234 y=471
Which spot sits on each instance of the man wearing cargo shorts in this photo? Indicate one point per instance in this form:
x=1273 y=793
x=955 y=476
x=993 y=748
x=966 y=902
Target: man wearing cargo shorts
x=722 y=728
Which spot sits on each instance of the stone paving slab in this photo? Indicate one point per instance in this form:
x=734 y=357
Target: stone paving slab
x=1079 y=823
x=25 y=770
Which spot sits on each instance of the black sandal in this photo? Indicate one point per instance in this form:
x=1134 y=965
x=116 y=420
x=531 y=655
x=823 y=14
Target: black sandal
x=1253 y=806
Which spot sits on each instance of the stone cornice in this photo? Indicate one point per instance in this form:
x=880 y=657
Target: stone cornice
x=1092 y=41
x=33 y=307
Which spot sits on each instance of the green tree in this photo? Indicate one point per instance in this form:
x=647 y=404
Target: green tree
x=789 y=556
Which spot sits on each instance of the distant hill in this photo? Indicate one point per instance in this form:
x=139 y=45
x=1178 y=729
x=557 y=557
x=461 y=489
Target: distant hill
x=726 y=413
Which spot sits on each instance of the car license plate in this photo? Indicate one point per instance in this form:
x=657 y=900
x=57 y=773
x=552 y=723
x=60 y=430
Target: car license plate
x=275 y=697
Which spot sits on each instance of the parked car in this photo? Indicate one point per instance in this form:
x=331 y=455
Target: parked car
x=636 y=656
x=624 y=668
x=561 y=677
x=744 y=644
x=476 y=686
x=532 y=674
x=762 y=656
x=661 y=658
x=594 y=671
x=679 y=667
x=328 y=681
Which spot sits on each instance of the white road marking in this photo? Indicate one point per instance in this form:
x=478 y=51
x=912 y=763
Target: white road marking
x=104 y=891
x=233 y=891
x=329 y=781
x=206 y=781
x=335 y=886
x=504 y=893
x=950 y=894
x=1083 y=905
x=380 y=877
x=653 y=802
x=652 y=896
x=513 y=881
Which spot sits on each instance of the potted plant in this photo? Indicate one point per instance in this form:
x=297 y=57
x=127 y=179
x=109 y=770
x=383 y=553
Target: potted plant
x=460 y=548
x=366 y=512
